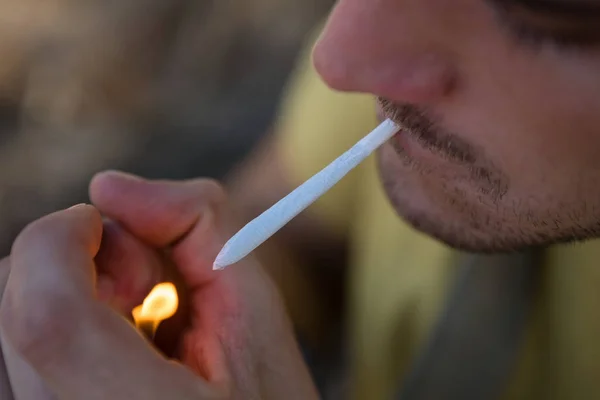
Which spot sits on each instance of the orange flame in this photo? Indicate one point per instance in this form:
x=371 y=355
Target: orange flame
x=159 y=305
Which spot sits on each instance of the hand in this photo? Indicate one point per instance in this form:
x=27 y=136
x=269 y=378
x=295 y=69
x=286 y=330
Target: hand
x=54 y=312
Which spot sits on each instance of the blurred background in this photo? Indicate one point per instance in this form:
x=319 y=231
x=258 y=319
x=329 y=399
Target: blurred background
x=165 y=89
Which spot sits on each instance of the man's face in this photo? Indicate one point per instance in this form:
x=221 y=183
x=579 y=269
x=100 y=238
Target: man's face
x=501 y=104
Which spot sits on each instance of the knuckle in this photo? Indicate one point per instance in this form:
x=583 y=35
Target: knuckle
x=53 y=230
x=210 y=190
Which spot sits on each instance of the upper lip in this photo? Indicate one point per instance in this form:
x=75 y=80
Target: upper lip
x=382 y=115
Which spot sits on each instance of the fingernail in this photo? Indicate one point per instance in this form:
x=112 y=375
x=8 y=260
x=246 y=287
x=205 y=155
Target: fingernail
x=123 y=175
x=77 y=206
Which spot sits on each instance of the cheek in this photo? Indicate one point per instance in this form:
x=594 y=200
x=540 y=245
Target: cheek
x=532 y=114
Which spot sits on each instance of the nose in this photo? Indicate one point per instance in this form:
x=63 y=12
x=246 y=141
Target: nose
x=384 y=47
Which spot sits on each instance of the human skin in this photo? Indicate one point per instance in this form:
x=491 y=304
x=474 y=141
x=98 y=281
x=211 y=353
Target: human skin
x=61 y=339
x=487 y=113
x=499 y=100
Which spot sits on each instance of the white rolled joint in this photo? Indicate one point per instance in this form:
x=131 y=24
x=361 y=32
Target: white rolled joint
x=257 y=231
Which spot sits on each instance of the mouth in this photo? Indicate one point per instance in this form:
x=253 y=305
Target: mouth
x=424 y=145
x=404 y=142
x=381 y=115
x=421 y=138
x=411 y=150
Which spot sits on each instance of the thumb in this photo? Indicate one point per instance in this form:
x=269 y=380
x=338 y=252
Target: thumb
x=188 y=216
x=78 y=346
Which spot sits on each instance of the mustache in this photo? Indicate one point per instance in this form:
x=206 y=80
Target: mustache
x=417 y=123
x=424 y=128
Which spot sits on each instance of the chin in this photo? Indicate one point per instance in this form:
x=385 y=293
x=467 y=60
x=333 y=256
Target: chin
x=446 y=207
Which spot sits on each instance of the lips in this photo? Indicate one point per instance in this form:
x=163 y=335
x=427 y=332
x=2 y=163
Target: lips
x=380 y=113
x=409 y=148
x=404 y=142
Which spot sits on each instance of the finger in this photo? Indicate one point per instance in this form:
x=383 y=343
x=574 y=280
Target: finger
x=128 y=268
x=57 y=251
x=190 y=216
x=52 y=272
x=159 y=212
x=79 y=226
x=187 y=214
x=80 y=347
